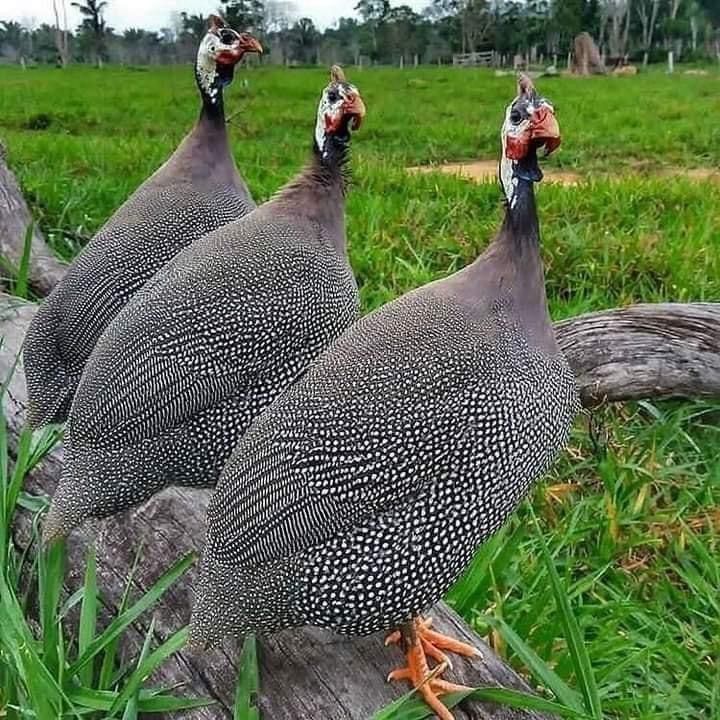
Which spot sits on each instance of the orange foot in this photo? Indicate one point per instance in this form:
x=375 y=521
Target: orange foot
x=420 y=642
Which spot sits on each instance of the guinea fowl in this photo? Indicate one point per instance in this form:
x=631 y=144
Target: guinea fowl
x=197 y=190
x=360 y=495
x=212 y=339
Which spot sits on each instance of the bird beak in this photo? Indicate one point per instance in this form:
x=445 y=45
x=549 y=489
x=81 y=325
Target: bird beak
x=249 y=44
x=545 y=130
x=354 y=107
x=245 y=44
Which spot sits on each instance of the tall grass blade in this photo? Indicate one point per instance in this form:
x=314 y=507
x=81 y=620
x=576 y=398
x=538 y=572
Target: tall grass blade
x=22 y=461
x=412 y=707
x=571 y=630
x=131 y=709
x=147 y=666
x=149 y=701
x=107 y=668
x=88 y=616
x=18 y=643
x=248 y=684
x=540 y=670
x=23 y=273
x=51 y=573
x=118 y=625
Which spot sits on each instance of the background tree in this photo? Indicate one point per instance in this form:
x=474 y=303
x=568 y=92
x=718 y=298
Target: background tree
x=93 y=25
x=11 y=39
x=404 y=33
x=373 y=13
x=536 y=29
x=305 y=38
x=647 y=11
x=61 y=32
x=280 y=15
x=245 y=14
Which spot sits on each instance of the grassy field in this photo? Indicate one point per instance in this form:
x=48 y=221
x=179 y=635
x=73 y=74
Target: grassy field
x=633 y=532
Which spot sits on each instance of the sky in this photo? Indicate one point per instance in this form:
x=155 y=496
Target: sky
x=154 y=14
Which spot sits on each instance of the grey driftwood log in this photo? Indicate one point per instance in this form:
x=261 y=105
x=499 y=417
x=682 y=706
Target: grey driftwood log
x=641 y=351
x=15 y=219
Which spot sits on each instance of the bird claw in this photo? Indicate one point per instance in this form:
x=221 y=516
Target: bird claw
x=421 y=644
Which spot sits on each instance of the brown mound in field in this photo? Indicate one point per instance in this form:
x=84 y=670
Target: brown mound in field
x=586 y=56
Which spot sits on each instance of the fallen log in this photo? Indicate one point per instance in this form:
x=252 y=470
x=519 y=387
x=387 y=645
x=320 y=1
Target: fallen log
x=15 y=221
x=644 y=351
x=641 y=351
x=306 y=674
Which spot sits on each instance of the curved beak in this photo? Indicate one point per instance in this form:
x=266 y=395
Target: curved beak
x=354 y=107
x=249 y=44
x=545 y=130
x=245 y=44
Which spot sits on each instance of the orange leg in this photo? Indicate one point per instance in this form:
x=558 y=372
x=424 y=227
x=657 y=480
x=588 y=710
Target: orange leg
x=420 y=642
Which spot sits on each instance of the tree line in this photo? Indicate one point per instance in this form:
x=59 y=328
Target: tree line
x=536 y=30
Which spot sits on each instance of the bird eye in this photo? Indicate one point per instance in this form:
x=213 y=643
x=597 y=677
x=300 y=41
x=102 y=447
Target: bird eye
x=333 y=96
x=515 y=116
x=227 y=36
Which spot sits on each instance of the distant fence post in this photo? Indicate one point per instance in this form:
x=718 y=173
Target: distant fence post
x=484 y=59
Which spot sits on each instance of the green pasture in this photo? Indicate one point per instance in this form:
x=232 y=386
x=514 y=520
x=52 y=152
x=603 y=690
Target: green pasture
x=621 y=617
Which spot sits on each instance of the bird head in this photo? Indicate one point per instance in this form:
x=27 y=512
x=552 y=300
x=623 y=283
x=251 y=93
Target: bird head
x=220 y=50
x=529 y=125
x=341 y=109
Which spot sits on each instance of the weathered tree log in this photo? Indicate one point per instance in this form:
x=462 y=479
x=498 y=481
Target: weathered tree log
x=307 y=674
x=15 y=219
x=643 y=351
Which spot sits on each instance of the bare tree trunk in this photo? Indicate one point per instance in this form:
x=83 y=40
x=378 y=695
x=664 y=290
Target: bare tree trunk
x=648 y=27
x=61 y=35
x=626 y=31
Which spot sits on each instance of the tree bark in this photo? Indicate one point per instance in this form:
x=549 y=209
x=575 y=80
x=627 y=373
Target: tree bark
x=15 y=220
x=644 y=351
x=641 y=351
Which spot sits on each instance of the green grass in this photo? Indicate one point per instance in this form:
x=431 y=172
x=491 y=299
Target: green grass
x=44 y=673
x=626 y=617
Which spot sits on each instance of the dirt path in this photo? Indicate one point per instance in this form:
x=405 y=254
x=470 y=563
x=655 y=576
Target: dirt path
x=486 y=171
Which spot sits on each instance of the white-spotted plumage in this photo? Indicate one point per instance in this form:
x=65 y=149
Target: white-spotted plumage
x=196 y=191
x=209 y=342
x=359 y=496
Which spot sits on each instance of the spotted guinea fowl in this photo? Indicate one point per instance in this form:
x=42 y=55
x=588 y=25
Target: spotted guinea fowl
x=359 y=496
x=212 y=339
x=197 y=190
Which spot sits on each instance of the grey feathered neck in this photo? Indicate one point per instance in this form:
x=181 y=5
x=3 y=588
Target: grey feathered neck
x=521 y=226
x=333 y=166
x=213 y=105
